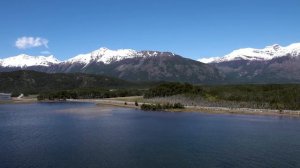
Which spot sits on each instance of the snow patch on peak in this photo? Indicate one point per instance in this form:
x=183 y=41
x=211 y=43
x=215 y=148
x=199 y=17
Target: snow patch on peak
x=24 y=60
x=208 y=60
x=252 y=54
x=156 y=53
x=275 y=47
x=150 y=53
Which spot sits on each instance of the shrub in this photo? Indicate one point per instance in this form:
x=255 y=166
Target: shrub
x=157 y=107
x=178 y=106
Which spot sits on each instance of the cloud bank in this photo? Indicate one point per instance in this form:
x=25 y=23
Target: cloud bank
x=31 y=42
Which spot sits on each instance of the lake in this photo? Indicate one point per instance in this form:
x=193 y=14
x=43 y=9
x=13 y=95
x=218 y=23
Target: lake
x=85 y=135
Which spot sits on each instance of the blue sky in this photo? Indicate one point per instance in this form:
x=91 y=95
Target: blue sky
x=191 y=28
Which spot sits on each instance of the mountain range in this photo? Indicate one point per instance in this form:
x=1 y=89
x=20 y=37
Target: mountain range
x=124 y=64
x=272 y=64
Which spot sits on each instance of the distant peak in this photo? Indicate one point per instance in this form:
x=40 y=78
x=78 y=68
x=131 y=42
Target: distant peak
x=266 y=53
x=24 y=60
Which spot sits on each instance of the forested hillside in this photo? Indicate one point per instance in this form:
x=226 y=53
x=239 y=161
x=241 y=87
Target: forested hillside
x=31 y=82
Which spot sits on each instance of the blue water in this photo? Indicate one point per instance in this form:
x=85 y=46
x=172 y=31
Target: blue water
x=83 y=135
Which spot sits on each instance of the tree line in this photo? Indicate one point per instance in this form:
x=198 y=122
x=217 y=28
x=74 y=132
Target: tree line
x=274 y=96
x=89 y=93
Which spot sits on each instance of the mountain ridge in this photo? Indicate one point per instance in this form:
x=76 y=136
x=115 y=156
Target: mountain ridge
x=102 y=54
x=251 y=54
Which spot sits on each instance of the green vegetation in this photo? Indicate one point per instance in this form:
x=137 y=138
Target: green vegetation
x=157 y=107
x=136 y=103
x=89 y=93
x=169 y=89
x=272 y=96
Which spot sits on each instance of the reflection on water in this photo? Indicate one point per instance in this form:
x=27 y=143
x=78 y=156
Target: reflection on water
x=88 y=112
x=85 y=135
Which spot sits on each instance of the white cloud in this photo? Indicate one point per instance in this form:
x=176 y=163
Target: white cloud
x=45 y=52
x=31 y=42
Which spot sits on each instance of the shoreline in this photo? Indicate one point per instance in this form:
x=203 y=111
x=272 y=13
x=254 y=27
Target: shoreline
x=211 y=110
x=19 y=101
x=202 y=109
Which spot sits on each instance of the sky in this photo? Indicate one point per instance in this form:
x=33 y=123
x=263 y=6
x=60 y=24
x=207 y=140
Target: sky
x=191 y=28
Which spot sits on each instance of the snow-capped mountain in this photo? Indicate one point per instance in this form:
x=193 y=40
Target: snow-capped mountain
x=104 y=55
x=24 y=60
x=139 y=66
x=108 y=56
x=273 y=64
x=253 y=54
